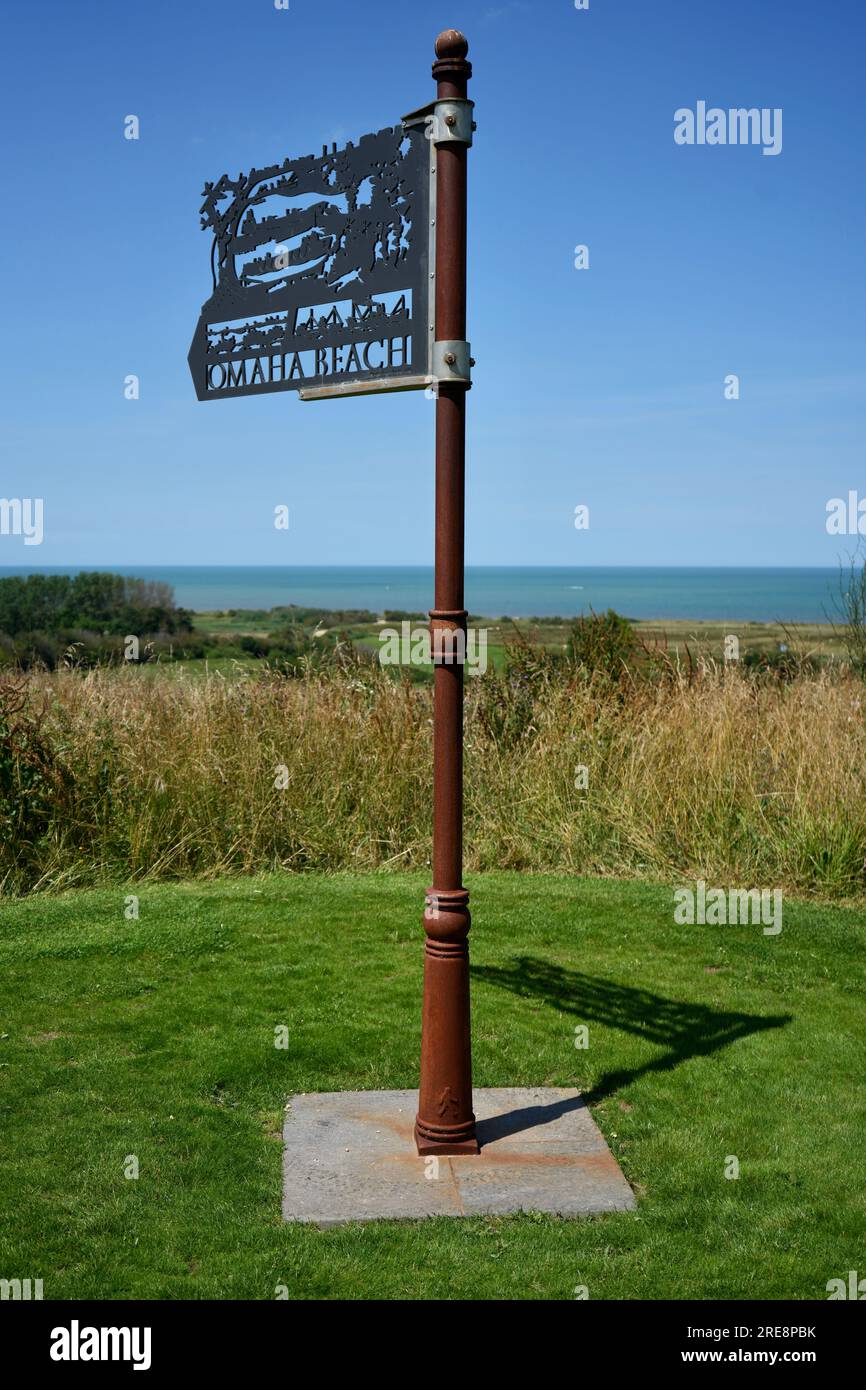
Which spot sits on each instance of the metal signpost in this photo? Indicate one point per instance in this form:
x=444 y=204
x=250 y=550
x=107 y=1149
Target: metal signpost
x=345 y=274
x=445 y=1123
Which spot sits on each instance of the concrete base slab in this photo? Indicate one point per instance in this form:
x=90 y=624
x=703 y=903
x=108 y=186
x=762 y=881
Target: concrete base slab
x=350 y=1156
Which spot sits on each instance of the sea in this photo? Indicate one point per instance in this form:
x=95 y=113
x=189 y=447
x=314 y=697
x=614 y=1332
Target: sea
x=724 y=594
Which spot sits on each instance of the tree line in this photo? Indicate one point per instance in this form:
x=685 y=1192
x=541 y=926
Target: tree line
x=90 y=601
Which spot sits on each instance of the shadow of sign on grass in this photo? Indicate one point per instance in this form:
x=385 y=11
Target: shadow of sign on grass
x=687 y=1030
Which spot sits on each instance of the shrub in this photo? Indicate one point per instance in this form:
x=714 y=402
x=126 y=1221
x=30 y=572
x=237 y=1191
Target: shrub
x=602 y=642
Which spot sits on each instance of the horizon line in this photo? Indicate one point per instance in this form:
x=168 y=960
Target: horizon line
x=204 y=564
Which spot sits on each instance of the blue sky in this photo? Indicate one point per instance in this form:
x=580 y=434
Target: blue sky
x=601 y=387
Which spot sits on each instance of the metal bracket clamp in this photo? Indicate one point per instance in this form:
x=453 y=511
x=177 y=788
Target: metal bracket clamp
x=452 y=122
x=452 y=362
x=446 y=122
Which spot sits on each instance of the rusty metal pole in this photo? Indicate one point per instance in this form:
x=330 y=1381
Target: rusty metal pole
x=445 y=1123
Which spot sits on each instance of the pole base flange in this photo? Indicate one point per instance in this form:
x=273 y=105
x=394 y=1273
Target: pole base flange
x=444 y=1147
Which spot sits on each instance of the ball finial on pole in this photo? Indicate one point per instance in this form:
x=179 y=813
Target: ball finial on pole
x=452 y=44
x=452 y=68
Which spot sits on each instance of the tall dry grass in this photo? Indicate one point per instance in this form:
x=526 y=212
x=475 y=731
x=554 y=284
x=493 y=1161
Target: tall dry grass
x=109 y=776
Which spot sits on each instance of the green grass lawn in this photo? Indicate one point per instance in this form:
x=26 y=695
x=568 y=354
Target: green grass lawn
x=155 y=1038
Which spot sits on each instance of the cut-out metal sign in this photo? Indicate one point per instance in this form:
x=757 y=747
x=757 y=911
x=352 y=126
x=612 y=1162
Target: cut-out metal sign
x=321 y=272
